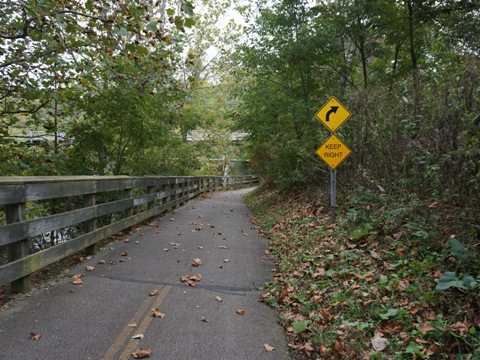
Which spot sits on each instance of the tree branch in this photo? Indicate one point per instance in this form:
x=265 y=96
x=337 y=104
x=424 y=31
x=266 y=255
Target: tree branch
x=32 y=111
x=104 y=20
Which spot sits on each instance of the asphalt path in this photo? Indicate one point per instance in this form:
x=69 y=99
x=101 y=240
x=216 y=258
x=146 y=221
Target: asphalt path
x=216 y=317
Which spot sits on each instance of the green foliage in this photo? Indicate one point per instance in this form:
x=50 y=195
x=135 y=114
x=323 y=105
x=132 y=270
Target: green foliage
x=302 y=325
x=465 y=259
x=402 y=69
x=451 y=279
x=339 y=296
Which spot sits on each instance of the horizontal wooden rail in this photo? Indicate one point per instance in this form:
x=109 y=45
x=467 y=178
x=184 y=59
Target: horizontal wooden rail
x=103 y=206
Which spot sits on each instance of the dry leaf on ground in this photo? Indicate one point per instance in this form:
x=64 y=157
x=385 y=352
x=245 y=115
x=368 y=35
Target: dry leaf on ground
x=197 y=262
x=240 y=312
x=77 y=279
x=137 y=337
x=268 y=348
x=197 y=277
x=153 y=292
x=424 y=327
x=35 y=336
x=189 y=280
x=433 y=349
x=90 y=268
x=218 y=298
x=142 y=353
x=157 y=314
x=459 y=328
x=379 y=343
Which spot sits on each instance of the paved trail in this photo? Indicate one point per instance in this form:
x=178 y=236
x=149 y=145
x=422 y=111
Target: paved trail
x=97 y=320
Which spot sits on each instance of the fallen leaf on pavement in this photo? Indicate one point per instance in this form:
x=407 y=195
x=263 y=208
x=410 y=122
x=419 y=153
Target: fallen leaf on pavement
x=223 y=247
x=137 y=337
x=197 y=277
x=101 y=262
x=132 y=325
x=35 y=336
x=157 y=314
x=218 y=298
x=189 y=280
x=240 y=312
x=125 y=253
x=268 y=348
x=90 y=268
x=197 y=262
x=153 y=292
x=204 y=319
x=165 y=249
x=77 y=279
x=226 y=260
x=142 y=353
x=172 y=219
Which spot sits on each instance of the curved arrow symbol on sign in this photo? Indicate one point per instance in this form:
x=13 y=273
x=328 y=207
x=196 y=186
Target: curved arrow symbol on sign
x=333 y=109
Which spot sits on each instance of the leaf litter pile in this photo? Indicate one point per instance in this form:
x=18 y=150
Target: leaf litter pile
x=371 y=286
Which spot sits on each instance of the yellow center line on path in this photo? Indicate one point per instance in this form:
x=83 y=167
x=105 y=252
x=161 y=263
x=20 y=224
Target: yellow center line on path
x=127 y=353
x=143 y=311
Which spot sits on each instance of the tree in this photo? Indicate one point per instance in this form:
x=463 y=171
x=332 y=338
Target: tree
x=49 y=45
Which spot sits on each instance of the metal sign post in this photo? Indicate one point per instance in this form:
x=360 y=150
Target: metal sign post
x=333 y=195
x=333 y=151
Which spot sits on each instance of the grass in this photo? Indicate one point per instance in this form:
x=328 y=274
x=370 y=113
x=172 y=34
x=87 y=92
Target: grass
x=365 y=288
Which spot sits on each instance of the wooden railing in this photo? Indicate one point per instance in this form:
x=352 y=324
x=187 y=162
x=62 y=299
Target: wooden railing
x=98 y=206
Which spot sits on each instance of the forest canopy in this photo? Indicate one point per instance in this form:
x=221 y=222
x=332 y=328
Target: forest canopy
x=407 y=70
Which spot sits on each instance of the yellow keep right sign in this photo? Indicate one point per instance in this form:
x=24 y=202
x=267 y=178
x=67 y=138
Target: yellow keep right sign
x=333 y=151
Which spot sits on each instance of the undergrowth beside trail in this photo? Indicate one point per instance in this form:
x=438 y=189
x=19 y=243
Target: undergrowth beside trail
x=391 y=280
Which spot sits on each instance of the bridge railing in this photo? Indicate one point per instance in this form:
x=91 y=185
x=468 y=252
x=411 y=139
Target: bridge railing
x=96 y=206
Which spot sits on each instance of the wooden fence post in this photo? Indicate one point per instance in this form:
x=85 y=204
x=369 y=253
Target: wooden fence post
x=16 y=213
x=127 y=194
x=90 y=225
x=150 y=191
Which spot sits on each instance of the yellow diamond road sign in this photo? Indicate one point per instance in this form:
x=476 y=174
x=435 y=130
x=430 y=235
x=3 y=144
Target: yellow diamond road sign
x=333 y=151
x=333 y=114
